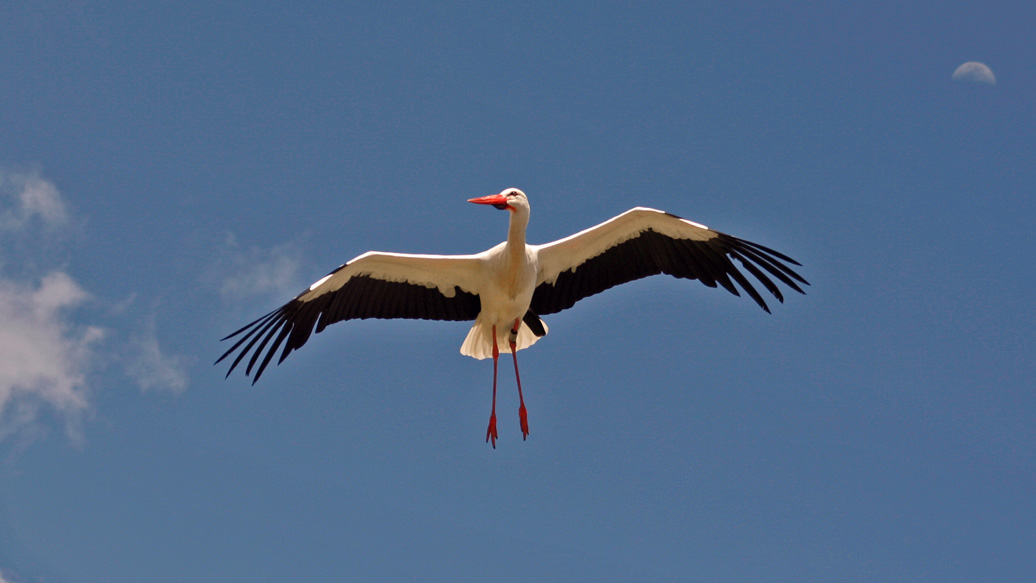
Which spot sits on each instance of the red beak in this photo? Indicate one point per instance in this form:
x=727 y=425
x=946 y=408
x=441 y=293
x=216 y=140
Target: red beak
x=493 y=199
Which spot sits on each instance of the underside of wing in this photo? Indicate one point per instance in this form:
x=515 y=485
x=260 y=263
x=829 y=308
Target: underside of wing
x=374 y=285
x=644 y=242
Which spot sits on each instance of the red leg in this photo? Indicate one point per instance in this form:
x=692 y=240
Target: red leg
x=523 y=415
x=491 y=431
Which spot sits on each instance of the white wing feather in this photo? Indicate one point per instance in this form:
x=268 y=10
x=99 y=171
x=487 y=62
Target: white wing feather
x=442 y=272
x=571 y=252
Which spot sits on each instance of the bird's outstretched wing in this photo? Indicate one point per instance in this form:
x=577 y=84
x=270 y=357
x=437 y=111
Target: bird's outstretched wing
x=642 y=242
x=373 y=285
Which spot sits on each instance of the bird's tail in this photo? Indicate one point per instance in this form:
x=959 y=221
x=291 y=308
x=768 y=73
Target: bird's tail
x=479 y=343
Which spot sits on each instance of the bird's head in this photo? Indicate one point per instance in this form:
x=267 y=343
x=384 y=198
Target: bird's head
x=510 y=199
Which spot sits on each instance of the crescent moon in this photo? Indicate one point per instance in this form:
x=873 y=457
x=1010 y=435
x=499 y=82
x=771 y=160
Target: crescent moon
x=974 y=72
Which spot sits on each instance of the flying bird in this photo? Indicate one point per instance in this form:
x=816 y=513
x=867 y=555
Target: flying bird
x=506 y=289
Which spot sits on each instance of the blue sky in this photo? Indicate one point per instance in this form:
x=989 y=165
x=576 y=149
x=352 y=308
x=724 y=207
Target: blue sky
x=170 y=171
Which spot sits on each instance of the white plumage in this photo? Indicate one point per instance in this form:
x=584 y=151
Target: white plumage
x=505 y=289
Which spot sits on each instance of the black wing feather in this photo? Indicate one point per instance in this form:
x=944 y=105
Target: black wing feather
x=361 y=297
x=651 y=253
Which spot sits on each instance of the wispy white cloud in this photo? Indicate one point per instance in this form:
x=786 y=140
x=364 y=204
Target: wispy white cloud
x=47 y=355
x=254 y=272
x=29 y=197
x=43 y=355
x=40 y=354
x=151 y=368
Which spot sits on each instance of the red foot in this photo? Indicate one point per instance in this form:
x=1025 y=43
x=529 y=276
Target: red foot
x=491 y=431
x=524 y=417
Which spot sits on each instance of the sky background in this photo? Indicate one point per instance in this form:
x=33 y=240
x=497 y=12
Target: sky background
x=171 y=170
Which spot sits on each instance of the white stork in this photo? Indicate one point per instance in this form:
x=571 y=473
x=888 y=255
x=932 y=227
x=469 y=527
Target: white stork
x=505 y=289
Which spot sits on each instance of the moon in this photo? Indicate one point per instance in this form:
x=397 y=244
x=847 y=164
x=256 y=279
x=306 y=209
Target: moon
x=974 y=72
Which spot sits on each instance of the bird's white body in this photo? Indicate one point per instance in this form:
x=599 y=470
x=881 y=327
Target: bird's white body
x=506 y=288
x=509 y=280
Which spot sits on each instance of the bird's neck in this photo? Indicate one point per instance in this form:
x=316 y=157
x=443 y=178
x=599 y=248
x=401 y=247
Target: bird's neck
x=516 y=232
